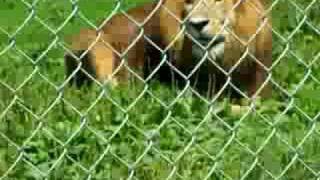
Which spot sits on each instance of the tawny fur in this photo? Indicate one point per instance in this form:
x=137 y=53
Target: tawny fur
x=117 y=35
x=244 y=26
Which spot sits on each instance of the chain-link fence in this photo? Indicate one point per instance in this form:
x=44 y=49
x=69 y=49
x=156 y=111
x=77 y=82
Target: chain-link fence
x=152 y=130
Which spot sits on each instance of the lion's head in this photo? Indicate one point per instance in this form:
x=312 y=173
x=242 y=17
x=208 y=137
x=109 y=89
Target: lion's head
x=224 y=26
x=210 y=23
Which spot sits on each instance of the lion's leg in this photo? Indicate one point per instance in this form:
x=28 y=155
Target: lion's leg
x=104 y=63
x=260 y=78
x=264 y=56
x=136 y=59
x=80 y=77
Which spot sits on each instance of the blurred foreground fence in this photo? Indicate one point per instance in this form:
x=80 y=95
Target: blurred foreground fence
x=49 y=130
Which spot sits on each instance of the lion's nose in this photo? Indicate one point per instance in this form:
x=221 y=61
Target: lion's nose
x=199 y=25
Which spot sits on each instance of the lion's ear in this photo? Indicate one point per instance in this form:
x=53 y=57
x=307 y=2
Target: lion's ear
x=171 y=14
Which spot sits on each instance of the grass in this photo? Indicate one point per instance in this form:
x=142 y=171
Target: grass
x=64 y=133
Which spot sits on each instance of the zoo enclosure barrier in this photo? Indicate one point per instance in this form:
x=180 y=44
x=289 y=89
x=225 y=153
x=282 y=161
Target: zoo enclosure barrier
x=302 y=25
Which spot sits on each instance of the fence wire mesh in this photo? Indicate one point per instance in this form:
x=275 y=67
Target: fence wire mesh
x=148 y=130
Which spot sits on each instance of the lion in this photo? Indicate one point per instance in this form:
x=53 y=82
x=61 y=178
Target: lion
x=238 y=38
x=120 y=49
